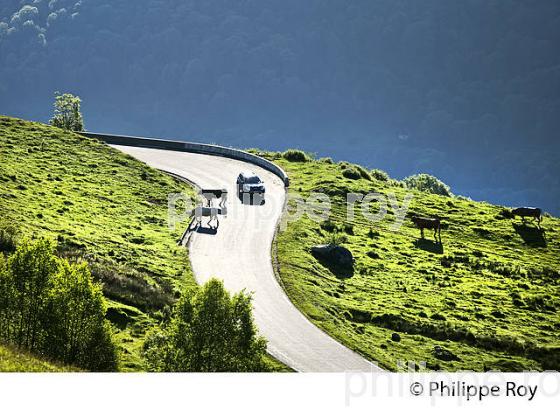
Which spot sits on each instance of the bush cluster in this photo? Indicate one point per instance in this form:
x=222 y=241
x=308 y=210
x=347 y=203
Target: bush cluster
x=351 y=173
x=210 y=331
x=8 y=239
x=335 y=238
x=364 y=173
x=328 y=225
x=427 y=183
x=51 y=307
x=380 y=175
x=296 y=155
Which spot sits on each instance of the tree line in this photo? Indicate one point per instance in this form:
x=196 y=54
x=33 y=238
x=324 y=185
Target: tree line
x=52 y=307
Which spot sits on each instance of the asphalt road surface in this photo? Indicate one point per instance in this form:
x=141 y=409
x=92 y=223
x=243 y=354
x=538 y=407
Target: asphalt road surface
x=239 y=253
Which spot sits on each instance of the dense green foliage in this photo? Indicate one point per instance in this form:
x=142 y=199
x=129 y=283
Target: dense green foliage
x=67 y=114
x=380 y=175
x=51 y=307
x=427 y=183
x=351 y=173
x=8 y=238
x=488 y=294
x=296 y=155
x=210 y=331
x=103 y=207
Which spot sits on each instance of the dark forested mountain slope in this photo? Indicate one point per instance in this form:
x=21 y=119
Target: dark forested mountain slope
x=468 y=91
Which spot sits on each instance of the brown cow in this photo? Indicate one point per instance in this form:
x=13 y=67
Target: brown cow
x=428 y=223
x=528 y=212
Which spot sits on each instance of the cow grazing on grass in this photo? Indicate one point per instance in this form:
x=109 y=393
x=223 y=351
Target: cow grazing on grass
x=428 y=223
x=529 y=213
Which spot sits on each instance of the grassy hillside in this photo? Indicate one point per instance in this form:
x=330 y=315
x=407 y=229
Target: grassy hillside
x=12 y=360
x=487 y=298
x=102 y=206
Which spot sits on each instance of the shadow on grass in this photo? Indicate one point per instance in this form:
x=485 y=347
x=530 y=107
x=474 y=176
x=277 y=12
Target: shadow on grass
x=531 y=235
x=337 y=270
x=428 y=245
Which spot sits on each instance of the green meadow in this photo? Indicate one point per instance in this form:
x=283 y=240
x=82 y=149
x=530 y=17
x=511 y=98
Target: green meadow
x=486 y=298
x=12 y=360
x=101 y=206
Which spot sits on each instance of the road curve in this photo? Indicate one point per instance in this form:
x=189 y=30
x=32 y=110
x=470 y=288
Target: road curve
x=240 y=254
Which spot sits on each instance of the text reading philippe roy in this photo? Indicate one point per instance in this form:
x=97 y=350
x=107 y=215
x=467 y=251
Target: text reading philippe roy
x=469 y=392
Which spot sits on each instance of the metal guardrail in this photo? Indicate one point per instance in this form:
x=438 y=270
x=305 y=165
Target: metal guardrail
x=193 y=147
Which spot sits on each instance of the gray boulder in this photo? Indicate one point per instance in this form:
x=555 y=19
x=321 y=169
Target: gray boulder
x=334 y=254
x=444 y=354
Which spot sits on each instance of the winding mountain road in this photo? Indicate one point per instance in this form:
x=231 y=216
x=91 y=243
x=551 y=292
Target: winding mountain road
x=239 y=253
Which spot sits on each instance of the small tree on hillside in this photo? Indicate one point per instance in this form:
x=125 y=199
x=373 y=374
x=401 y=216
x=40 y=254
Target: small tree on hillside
x=210 y=332
x=29 y=273
x=78 y=331
x=67 y=113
